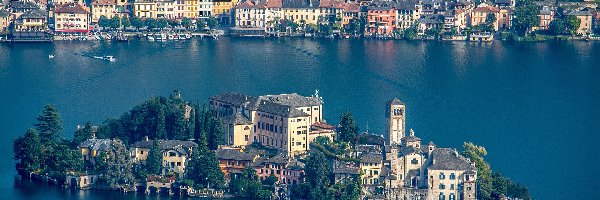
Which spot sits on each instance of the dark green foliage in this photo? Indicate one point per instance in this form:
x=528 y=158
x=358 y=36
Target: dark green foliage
x=162 y=23
x=348 y=130
x=271 y=180
x=115 y=22
x=179 y=126
x=491 y=185
x=186 y=22
x=154 y=159
x=525 y=16
x=249 y=186
x=62 y=159
x=215 y=135
x=137 y=22
x=125 y=22
x=82 y=135
x=28 y=149
x=151 y=23
x=118 y=167
x=564 y=26
x=49 y=125
x=410 y=33
x=104 y=22
x=212 y=22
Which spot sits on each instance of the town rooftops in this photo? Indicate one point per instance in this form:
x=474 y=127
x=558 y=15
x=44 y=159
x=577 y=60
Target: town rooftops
x=104 y=2
x=73 y=8
x=580 y=13
x=34 y=14
x=371 y=158
x=381 y=5
x=448 y=159
x=282 y=104
x=4 y=13
x=274 y=4
x=404 y=151
x=234 y=154
x=96 y=144
x=503 y=2
x=343 y=169
x=371 y=139
x=351 y=7
x=406 y=4
x=22 y=5
x=545 y=12
x=331 y=4
x=251 y=4
x=300 y=3
x=488 y=9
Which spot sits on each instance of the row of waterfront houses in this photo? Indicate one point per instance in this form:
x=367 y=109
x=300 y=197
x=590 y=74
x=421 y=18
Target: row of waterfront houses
x=380 y=17
x=398 y=164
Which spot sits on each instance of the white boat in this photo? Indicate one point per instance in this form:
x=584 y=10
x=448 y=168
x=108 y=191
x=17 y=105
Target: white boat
x=110 y=58
x=171 y=37
x=150 y=38
x=161 y=36
x=50 y=56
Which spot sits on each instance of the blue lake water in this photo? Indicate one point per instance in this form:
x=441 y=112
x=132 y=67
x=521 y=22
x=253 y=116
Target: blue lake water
x=534 y=106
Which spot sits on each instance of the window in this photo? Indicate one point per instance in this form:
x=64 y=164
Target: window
x=442 y=176
x=452 y=176
x=451 y=188
x=172 y=154
x=442 y=186
x=451 y=196
x=246 y=138
x=414 y=161
x=442 y=197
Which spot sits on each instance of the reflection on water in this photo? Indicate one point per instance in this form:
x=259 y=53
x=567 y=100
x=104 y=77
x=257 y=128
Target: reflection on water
x=519 y=100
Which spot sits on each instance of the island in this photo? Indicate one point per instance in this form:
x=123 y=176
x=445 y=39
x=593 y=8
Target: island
x=257 y=147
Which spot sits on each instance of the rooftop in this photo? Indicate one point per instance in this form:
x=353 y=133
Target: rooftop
x=448 y=159
x=395 y=101
x=234 y=154
x=73 y=8
x=178 y=145
x=34 y=14
x=96 y=144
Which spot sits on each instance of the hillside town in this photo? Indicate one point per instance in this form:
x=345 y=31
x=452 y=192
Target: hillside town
x=42 y=20
x=260 y=147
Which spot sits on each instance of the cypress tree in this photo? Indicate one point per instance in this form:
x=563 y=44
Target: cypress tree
x=154 y=160
x=28 y=149
x=161 y=132
x=348 y=130
x=49 y=125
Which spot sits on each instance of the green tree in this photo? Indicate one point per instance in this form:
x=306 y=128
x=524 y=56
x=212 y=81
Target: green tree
x=82 y=134
x=557 y=26
x=154 y=159
x=119 y=166
x=115 y=22
x=179 y=127
x=410 y=33
x=49 y=125
x=137 y=23
x=215 y=136
x=475 y=154
x=572 y=23
x=212 y=22
x=348 y=131
x=317 y=174
x=525 y=16
x=161 y=132
x=186 y=22
x=151 y=23
x=162 y=23
x=191 y=125
x=201 y=24
x=28 y=149
x=270 y=181
x=63 y=159
x=125 y=22
x=104 y=22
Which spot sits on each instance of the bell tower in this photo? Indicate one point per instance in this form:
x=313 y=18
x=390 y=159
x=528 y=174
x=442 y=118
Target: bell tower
x=395 y=121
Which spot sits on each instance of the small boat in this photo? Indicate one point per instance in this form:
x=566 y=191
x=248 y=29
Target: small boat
x=171 y=37
x=188 y=36
x=150 y=38
x=109 y=58
x=50 y=56
x=175 y=37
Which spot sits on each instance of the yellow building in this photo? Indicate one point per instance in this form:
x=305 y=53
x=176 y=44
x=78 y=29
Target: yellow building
x=145 y=8
x=301 y=12
x=222 y=10
x=192 y=8
x=94 y=147
x=5 y=19
x=371 y=165
x=279 y=121
x=585 y=21
x=71 y=18
x=35 y=20
x=175 y=154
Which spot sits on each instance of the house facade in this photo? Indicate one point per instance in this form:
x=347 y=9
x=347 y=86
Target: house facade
x=71 y=19
x=175 y=154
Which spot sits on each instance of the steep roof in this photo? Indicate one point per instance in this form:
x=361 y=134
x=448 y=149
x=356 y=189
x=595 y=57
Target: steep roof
x=251 y=4
x=22 y=5
x=395 y=101
x=4 y=13
x=96 y=144
x=300 y=3
x=371 y=158
x=294 y=100
x=233 y=154
x=488 y=9
x=104 y=2
x=236 y=119
x=73 y=8
x=580 y=13
x=448 y=159
x=34 y=14
x=165 y=144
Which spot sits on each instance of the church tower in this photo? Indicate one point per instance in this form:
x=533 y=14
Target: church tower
x=395 y=121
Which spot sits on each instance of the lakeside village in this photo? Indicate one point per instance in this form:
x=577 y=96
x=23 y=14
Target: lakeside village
x=265 y=147
x=478 y=20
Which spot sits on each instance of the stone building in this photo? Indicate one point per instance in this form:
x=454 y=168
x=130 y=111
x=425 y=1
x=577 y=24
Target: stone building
x=71 y=19
x=233 y=161
x=395 y=121
x=175 y=154
x=280 y=121
x=450 y=175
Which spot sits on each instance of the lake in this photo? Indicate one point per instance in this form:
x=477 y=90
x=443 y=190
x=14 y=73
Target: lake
x=534 y=106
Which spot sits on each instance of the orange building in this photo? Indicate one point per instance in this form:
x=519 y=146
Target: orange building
x=234 y=161
x=381 y=18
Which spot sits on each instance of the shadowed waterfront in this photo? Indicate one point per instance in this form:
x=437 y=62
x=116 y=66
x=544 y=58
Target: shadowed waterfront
x=534 y=106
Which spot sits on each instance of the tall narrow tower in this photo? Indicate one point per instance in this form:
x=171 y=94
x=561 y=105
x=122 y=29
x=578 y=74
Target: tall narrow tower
x=395 y=121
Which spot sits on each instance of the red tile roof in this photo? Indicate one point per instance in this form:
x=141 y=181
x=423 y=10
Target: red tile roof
x=72 y=8
x=486 y=9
